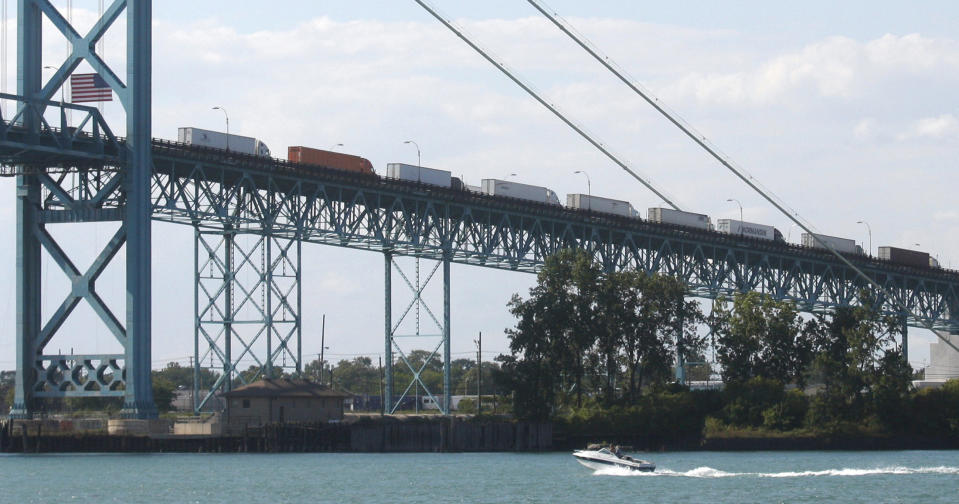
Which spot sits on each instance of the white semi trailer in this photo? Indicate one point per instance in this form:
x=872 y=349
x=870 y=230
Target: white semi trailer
x=748 y=229
x=600 y=204
x=421 y=174
x=844 y=245
x=680 y=218
x=219 y=140
x=511 y=189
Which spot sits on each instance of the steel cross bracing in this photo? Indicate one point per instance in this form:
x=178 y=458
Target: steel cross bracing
x=81 y=174
x=247 y=308
x=417 y=301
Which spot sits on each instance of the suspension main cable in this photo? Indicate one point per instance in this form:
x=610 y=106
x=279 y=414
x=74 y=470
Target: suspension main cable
x=751 y=181
x=552 y=108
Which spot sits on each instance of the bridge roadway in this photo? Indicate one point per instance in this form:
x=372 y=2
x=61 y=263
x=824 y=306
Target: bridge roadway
x=214 y=189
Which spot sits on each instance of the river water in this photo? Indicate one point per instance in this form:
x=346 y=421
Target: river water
x=683 y=477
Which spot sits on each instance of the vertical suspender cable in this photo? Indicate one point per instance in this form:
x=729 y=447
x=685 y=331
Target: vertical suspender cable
x=101 y=51
x=578 y=129
x=725 y=161
x=3 y=57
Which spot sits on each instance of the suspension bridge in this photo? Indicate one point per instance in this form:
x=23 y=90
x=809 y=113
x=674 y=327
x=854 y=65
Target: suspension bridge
x=67 y=175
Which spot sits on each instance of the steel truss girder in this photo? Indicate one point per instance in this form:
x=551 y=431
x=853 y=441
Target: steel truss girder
x=407 y=219
x=246 y=294
x=82 y=155
x=416 y=288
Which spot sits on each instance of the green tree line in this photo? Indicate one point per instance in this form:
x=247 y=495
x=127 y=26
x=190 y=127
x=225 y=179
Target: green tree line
x=596 y=349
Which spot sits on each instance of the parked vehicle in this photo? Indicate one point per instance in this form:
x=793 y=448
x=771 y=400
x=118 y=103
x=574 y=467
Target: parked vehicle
x=329 y=159
x=748 y=229
x=904 y=256
x=420 y=174
x=511 y=189
x=679 y=218
x=600 y=204
x=843 y=245
x=218 y=140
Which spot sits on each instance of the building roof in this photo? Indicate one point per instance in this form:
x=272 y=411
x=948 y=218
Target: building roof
x=284 y=388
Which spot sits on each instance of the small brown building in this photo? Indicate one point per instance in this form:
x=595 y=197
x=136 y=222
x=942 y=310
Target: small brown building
x=283 y=401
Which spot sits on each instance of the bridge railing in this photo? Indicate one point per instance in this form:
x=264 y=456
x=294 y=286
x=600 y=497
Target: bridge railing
x=76 y=132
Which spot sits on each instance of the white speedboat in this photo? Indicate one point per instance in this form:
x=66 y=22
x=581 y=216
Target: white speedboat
x=604 y=459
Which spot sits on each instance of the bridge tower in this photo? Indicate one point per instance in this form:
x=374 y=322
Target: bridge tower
x=46 y=194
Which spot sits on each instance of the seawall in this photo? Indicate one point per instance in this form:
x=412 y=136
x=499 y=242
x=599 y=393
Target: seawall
x=375 y=434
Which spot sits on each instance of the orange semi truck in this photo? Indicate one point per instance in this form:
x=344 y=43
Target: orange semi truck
x=336 y=160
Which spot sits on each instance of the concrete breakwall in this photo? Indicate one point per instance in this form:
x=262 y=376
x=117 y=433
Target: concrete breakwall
x=376 y=434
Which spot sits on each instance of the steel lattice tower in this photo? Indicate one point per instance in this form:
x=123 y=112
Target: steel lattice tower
x=128 y=374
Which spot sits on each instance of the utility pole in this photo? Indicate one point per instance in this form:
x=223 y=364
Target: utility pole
x=380 y=359
x=322 y=348
x=479 y=373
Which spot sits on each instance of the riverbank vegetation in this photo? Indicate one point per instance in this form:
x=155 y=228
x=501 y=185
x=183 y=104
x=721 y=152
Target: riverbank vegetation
x=594 y=351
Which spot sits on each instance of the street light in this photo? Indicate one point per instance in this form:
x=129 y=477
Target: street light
x=335 y=146
x=869 y=228
x=730 y=200
x=589 y=189
x=221 y=109
x=419 y=160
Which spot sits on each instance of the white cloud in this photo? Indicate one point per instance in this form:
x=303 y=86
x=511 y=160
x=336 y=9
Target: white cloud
x=865 y=129
x=943 y=126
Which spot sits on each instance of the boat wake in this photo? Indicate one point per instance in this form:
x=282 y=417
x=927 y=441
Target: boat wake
x=709 y=472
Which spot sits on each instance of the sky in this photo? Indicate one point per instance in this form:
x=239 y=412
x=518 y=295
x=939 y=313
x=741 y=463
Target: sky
x=845 y=110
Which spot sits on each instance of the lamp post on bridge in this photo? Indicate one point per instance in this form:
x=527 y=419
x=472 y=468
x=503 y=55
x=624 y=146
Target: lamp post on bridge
x=589 y=190
x=227 y=116
x=419 y=159
x=730 y=200
x=868 y=228
x=334 y=146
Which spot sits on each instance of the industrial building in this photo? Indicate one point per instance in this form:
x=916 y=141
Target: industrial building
x=283 y=401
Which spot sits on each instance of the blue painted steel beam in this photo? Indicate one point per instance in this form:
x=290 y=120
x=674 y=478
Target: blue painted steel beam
x=29 y=69
x=138 y=401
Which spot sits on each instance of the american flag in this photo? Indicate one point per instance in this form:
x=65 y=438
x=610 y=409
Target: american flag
x=89 y=88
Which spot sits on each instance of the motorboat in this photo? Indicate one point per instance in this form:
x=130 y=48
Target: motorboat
x=604 y=459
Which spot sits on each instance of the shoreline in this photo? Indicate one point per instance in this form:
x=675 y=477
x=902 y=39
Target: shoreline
x=433 y=435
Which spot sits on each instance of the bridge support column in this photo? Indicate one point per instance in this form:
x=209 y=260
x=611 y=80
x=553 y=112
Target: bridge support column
x=415 y=360
x=388 y=335
x=28 y=295
x=138 y=399
x=447 y=382
x=247 y=309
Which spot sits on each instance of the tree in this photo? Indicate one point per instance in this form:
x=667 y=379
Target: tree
x=761 y=337
x=182 y=376
x=860 y=364
x=357 y=376
x=582 y=330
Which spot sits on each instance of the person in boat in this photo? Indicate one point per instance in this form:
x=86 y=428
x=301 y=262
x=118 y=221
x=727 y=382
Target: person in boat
x=616 y=451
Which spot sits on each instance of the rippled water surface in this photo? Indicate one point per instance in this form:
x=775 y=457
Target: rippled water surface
x=910 y=476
